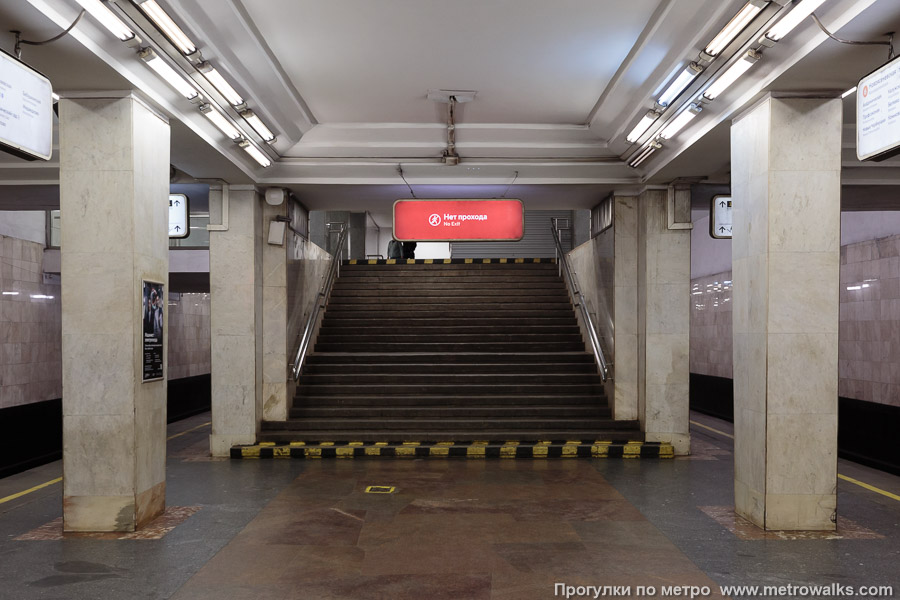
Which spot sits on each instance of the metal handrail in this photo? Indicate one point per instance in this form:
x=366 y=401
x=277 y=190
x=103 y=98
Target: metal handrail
x=580 y=301
x=322 y=298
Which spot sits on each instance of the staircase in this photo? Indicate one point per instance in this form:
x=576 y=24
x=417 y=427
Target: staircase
x=449 y=352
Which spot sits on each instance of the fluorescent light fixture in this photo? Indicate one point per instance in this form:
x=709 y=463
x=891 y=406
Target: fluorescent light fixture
x=218 y=82
x=652 y=147
x=107 y=18
x=793 y=18
x=735 y=26
x=849 y=92
x=731 y=75
x=257 y=125
x=167 y=26
x=684 y=79
x=10 y=293
x=680 y=122
x=168 y=74
x=642 y=126
x=220 y=121
x=257 y=154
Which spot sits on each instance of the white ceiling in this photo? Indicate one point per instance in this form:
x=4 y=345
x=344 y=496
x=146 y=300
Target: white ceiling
x=343 y=83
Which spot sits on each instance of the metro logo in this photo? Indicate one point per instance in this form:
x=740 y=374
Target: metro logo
x=458 y=220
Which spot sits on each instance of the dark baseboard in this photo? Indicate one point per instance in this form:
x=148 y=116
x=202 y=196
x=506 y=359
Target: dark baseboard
x=31 y=435
x=867 y=431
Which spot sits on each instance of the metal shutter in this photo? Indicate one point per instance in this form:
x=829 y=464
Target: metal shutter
x=536 y=243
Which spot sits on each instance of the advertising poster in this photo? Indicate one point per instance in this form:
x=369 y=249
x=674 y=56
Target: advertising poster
x=153 y=303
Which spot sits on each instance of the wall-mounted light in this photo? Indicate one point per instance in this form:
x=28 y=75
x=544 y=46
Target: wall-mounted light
x=258 y=126
x=680 y=122
x=643 y=125
x=849 y=92
x=792 y=19
x=167 y=26
x=107 y=18
x=219 y=120
x=732 y=74
x=168 y=74
x=215 y=78
x=734 y=27
x=644 y=154
x=684 y=79
x=257 y=154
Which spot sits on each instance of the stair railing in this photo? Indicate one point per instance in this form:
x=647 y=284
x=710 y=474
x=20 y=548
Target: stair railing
x=580 y=301
x=334 y=272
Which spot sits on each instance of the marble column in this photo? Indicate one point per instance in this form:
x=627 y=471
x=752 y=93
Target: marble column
x=236 y=319
x=664 y=317
x=275 y=321
x=114 y=186
x=625 y=307
x=786 y=164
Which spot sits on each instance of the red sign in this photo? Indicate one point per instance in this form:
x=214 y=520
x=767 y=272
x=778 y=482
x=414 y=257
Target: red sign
x=458 y=220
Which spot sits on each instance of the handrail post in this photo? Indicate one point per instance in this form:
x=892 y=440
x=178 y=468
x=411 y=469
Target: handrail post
x=578 y=297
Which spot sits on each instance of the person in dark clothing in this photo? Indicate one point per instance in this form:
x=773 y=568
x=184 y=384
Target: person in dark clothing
x=409 y=249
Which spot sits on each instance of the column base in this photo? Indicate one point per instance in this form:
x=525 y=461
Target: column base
x=681 y=442
x=98 y=513
x=220 y=445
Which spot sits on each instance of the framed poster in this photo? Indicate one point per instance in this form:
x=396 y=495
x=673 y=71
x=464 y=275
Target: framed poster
x=721 y=218
x=152 y=329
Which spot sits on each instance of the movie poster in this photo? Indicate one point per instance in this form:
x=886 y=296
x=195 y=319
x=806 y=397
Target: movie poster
x=153 y=303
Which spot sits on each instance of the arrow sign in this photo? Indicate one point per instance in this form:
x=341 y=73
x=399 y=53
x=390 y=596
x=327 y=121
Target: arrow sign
x=720 y=218
x=179 y=220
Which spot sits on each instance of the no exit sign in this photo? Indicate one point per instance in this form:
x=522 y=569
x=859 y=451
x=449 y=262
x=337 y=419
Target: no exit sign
x=458 y=220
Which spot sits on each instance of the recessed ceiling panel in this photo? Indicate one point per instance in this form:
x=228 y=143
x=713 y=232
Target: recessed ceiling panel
x=531 y=61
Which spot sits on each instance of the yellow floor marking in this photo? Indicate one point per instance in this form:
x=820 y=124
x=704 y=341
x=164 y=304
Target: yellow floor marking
x=862 y=484
x=188 y=431
x=380 y=489
x=728 y=435
x=29 y=490
x=871 y=488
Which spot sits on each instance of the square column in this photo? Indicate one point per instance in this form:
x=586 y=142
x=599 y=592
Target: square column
x=236 y=318
x=664 y=317
x=114 y=187
x=786 y=166
x=275 y=320
x=625 y=307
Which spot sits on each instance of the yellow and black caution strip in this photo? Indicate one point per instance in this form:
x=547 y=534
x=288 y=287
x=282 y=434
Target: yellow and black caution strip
x=466 y=449
x=448 y=261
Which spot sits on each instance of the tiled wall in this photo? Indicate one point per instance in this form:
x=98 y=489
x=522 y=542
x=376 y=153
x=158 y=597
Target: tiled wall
x=869 y=342
x=189 y=341
x=711 y=325
x=30 y=332
x=869 y=350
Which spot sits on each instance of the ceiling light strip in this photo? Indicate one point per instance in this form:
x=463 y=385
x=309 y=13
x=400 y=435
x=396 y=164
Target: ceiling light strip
x=168 y=74
x=792 y=19
x=652 y=147
x=165 y=23
x=258 y=126
x=731 y=75
x=734 y=27
x=680 y=122
x=257 y=154
x=643 y=125
x=684 y=79
x=107 y=18
x=215 y=78
x=219 y=120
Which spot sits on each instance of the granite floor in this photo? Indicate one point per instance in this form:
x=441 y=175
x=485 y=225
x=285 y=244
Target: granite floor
x=461 y=529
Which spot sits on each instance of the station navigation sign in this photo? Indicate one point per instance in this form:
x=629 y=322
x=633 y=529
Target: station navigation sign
x=878 y=113
x=720 y=218
x=179 y=221
x=26 y=110
x=458 y=220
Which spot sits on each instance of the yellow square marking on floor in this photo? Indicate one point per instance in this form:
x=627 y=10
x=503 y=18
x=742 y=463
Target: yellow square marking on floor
x=326 y=443
x=314 y=453
x=381 y=443
x=631 y=451
x=544 y=442
x=410 y=261
x=486 y=261
x=298 y=443
x=354 y=443
x=250 y=452
x=353 y=261
x=475 y=451
x=502 y=261
x=267 y=443
x=373 y=451
x=569 y=451
x=373 y=261
x=539 y=451
x=600 y=451
x=344 y=452
x=429 y=261
x=480 y=443
x=282 y=452
x=537 y=260
x=468 y=261
x=406 y=451
x=380 y=489
x=410 y=443
x=391 y=261
x=520 y=260
x=507 y=451
x=511 y=443
x=444 y=444
x=447 y=261
x=439 y=451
